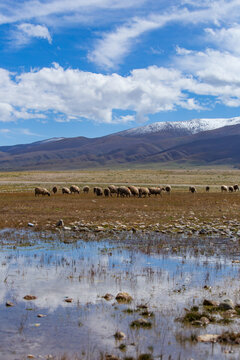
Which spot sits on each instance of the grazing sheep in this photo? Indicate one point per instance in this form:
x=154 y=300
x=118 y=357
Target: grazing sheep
x=230 y=189
x=41 y=191
x=144 y=192
x=236 y=187
x=66 y=190
x=74 y=189
x=192 y=189
x=224 y=188
x=168 y=189
x=98 y=191
x=207 y=188
x=54 y=189
x=106 y=192
x=86 y=189
x=123 y=191
x=113 y=189
x=156 y=190
x=134 y=190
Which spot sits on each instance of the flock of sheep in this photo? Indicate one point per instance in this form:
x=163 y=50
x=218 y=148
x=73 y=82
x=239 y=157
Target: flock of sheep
x=125 y=191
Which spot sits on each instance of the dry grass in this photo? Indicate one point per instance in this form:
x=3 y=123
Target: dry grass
x=10 y=181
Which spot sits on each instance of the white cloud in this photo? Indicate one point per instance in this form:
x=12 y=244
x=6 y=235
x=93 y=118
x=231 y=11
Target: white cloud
x=17 y=131
x=16 y=11
x=69 y=93
x=113 y=46
x=25 y=32
x=217 y=74
x=225 y=38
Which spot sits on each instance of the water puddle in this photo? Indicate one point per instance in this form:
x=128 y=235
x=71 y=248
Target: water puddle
x=167 y=275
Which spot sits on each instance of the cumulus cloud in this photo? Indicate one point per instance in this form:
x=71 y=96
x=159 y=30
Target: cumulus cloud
x=74 y=94
x=217 y=74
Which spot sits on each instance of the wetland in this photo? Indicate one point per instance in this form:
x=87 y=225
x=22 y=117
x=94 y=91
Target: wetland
x=58 y=295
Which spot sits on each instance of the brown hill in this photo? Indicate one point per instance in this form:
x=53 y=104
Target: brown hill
x=220 y=146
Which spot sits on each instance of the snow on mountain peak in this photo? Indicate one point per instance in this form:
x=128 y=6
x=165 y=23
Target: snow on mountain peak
x=192 y=126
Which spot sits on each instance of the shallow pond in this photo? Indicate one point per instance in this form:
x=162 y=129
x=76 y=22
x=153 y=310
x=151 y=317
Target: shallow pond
x=166 y=274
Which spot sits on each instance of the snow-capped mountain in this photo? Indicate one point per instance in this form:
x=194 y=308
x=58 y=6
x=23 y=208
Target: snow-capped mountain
x=50 y=140
x=190 y=127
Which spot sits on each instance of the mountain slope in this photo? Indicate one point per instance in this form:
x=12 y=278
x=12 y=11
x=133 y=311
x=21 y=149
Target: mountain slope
x=171 y=143
x=220 y=146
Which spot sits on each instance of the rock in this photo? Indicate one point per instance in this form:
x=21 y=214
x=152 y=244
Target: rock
x=41 y=315
x=31 y=224
x=208 y=338
x=67 y=228
x=207 y=302
x=119 y=335
x=9 y=303
x=99 y=228
x=60 y=223
x=202 y=232
x=230 y=313
x=84 y=228
x=123 y=297
x=68 y=300
x=30 y=297
x=227 y=304
x=108 y=297
x=204 y=320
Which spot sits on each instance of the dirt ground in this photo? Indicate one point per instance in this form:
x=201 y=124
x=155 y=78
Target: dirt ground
x=19 y=206
x=17 y=209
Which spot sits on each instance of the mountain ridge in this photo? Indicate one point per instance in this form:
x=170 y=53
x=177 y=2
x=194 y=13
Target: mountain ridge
x=171 y=144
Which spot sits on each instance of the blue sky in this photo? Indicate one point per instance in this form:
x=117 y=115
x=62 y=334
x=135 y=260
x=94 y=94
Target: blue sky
x=94 y=67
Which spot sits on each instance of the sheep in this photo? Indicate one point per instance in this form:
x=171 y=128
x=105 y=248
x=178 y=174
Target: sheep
x=41 y=191
x=168 y=189
x=230 y=189
x=98 y=191
x=106 y=192
x=207 y=188
x=66 y=190
x=123 y=191
x=113 y=189
x=144 y=192
x=74 y=189
x=156 y=190
x=192 y=189
x=134 y=190
x=54 y=189
x=86 y=189
x=224 y=188
x=236 y=187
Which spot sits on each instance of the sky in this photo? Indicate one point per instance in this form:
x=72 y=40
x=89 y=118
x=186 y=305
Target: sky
x=95 y=67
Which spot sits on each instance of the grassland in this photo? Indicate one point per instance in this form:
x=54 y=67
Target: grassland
x=19 y=205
